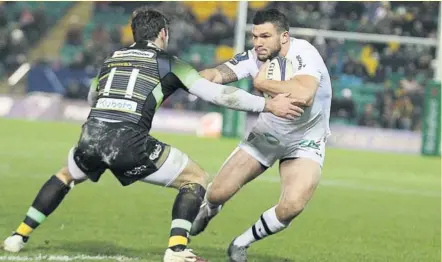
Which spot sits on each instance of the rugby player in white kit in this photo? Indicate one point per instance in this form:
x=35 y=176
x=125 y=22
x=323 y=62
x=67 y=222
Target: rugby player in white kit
x=298 y=144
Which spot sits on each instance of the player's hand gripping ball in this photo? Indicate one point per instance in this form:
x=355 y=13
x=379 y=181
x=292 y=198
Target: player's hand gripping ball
x=279 y=69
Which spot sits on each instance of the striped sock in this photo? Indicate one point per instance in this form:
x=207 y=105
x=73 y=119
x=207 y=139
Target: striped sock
x=33 y=219
x=266 y=225
x=185 y=208
x=179 y=234
x=47 y=200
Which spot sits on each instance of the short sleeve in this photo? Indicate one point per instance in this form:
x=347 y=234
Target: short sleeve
x=308 y=63
x=241 y=64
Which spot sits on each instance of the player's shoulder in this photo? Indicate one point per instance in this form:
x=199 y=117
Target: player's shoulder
x=302 y=44
x=246 y=56
x=302 y=48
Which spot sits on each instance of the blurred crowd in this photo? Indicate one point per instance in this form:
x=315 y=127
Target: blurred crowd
x=18 y=32
x=374 y=84
x=397 y=108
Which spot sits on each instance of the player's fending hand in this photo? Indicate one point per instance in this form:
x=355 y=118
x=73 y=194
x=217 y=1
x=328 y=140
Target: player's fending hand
x=283 y=106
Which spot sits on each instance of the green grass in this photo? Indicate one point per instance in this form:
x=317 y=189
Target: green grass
x=368 y=207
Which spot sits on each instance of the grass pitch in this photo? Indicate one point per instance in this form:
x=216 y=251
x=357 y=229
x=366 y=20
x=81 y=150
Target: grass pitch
x=368 y=207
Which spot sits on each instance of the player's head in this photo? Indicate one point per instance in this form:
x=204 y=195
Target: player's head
x=150 y=25
x=270 y=33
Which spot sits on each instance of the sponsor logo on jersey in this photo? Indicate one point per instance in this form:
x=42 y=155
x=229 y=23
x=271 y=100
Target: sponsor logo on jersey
x=116 y=104
x=300 y=64
x=239 y=57
x=123 y=64
x=138 y=53
x=156 y=152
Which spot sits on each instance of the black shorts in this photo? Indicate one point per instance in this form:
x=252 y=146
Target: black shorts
x=127 y=150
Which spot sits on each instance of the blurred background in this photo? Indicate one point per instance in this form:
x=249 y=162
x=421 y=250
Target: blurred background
x=379 y=199
x=379 y=79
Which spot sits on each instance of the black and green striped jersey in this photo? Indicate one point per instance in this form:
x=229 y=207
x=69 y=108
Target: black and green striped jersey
x=134 y=81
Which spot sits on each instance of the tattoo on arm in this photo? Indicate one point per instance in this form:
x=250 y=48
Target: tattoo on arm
x=227 y=74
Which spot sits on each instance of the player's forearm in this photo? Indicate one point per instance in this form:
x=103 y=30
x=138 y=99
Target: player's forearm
x=212 y=75
x=293 y=86
x=227 y=96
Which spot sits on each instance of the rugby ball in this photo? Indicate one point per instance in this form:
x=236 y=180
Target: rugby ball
x=279 y=69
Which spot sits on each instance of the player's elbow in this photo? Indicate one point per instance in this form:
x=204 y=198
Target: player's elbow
x=308 y=100
x=307 y=95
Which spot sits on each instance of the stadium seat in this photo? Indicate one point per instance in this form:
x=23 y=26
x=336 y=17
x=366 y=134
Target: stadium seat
x=340 y=121
x=395 y=78
x=258 y=4
x=224 y=53
x=203 y=11
x=229 y=8
x=372 y=88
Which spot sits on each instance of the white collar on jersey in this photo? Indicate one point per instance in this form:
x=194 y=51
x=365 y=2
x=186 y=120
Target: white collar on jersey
x=149 y=43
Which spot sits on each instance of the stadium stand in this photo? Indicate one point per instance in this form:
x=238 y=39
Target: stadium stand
x=22 y=25
x=374 y=84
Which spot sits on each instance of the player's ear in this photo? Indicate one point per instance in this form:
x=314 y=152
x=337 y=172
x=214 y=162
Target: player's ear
x=285 y=37
x=163 y=34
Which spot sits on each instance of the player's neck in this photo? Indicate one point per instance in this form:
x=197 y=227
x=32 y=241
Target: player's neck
x=156 y=43
x=285 y=49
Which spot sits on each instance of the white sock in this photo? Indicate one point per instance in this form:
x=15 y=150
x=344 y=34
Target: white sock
x=266 y=225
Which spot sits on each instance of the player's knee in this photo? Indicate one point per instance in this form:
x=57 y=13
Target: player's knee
x=286 y=211
x=199 y=178
x=193 y=191
x=217 y=194
x=64 y=175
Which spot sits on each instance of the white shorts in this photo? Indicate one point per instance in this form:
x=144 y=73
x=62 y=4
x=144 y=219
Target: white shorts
x=172 y=167
x=267 y=146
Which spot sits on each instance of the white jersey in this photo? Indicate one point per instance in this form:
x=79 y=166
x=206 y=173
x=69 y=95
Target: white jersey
x=306 y=60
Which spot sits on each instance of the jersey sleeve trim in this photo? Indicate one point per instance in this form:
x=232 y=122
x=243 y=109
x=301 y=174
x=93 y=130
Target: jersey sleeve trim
x=185 y=73
x=227 y=96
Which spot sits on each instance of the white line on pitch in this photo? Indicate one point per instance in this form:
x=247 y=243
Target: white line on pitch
x=66 y=258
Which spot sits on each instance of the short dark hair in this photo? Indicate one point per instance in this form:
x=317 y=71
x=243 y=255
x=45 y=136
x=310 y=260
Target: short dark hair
x=147 y=23
x=273 y=16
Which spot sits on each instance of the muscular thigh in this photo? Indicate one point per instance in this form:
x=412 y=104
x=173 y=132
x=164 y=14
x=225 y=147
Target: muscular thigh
x=299 y=179
x=239 y=169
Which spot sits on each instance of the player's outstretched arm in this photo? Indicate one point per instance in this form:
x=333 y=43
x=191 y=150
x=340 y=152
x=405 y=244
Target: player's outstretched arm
x=231 y=97
x=235 y=98
x=230 y=71
x=221 y=74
